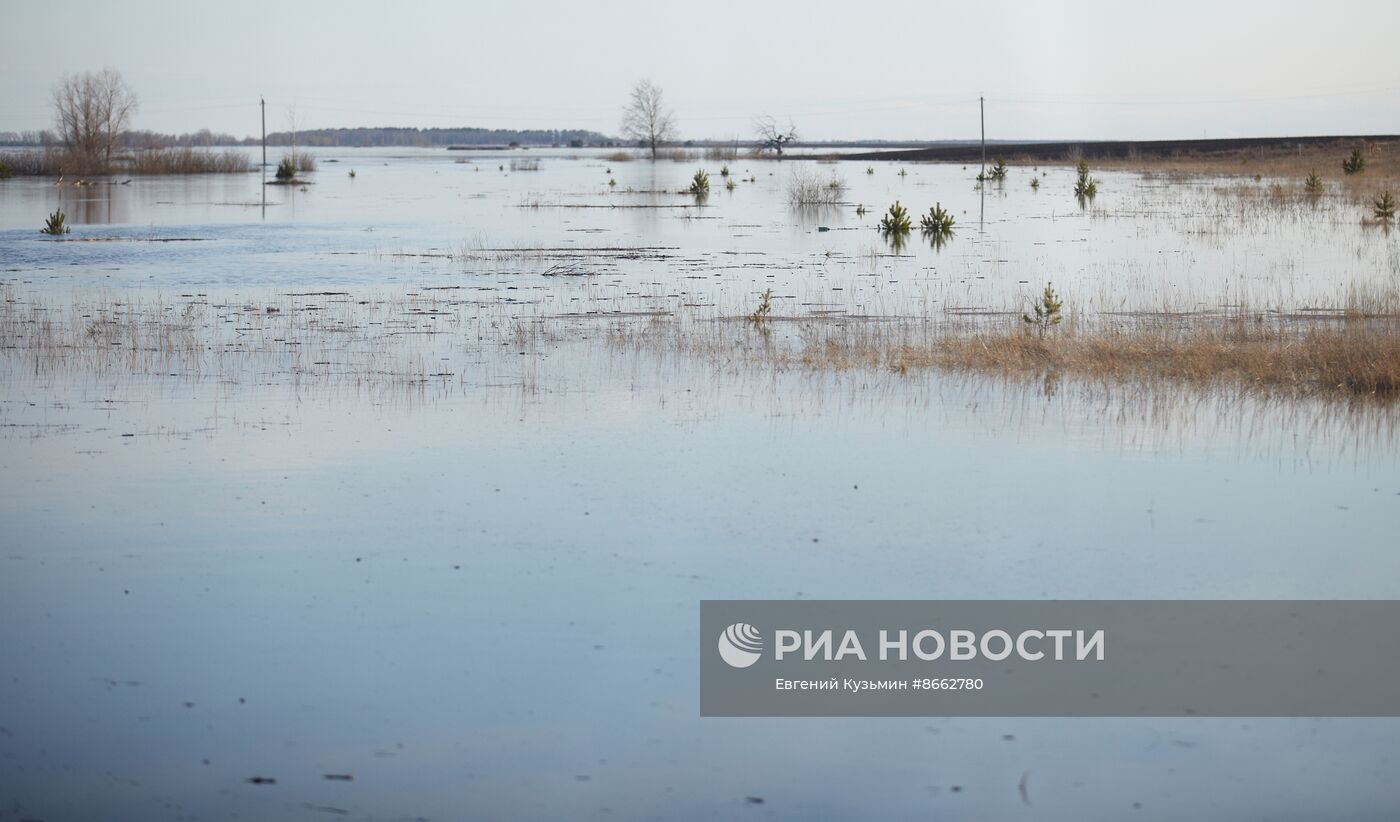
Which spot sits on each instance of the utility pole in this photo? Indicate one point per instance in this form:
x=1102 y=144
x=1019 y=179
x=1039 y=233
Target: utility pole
x=982 y=113
x=262 y=103
x=981 y=184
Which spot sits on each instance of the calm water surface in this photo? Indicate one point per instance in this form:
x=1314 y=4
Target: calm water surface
x=478 y=594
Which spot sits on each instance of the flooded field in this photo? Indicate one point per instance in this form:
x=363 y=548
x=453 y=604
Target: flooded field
x=393 y=496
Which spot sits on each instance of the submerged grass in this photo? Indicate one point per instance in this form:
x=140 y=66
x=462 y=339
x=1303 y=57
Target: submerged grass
x=55 y=162
x=188 y=161
x=1309 y=170
x=1344 y=357
x=809 y=187
x=1349 y=351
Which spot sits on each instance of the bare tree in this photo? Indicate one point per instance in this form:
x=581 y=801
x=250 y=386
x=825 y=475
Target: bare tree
x=771 y=136
x=646 y=118
x=90 y=110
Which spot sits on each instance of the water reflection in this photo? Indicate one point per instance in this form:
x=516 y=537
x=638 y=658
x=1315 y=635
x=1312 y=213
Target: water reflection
x=896 y=240
x=938 y=239
x=101 y=203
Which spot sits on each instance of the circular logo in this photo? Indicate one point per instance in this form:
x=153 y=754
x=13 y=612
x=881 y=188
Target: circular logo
x=740 y=645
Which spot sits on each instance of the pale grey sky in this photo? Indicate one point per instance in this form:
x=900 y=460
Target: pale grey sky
x=895 y=70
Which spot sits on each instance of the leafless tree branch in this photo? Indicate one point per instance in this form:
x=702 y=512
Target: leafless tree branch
x=646 y=118
x=771 y=137
x=90 y=111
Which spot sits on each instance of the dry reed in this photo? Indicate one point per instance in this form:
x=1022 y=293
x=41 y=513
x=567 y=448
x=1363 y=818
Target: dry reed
x=188 y=161
x=1333 y=356
x=1349 y=351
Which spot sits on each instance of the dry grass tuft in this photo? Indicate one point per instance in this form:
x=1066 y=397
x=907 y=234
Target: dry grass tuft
x=721 y=153
x=53 y=162
x=1352 y=357
x=678 y=155
x=188 y=161
x=808 y=187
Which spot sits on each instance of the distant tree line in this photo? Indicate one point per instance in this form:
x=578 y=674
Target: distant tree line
x=27 y=138
x=204 y=138
x=426 y=137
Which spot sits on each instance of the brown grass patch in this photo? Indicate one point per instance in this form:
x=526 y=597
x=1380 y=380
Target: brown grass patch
x=1346 y=352
x=1382 y=163
x=188 y=161
x=1346 y=357
x=55 y=162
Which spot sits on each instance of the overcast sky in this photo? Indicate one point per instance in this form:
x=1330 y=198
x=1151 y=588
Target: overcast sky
x=850 y=70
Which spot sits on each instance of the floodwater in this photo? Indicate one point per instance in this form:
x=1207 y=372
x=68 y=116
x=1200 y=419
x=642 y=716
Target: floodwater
x=421 y=507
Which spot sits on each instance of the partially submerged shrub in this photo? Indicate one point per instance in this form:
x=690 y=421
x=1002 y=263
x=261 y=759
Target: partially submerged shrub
x=1354 y=164
x=700 y=183
x=724 y=171
x=1035 y=183
x=1313 y=184
x=287 y=170
x=1385 y=207
x=938 y=220
x=807 y=187
x=765 y=307
x=1045 y=312
x=4 y=170
x=1084 y=185
x=998 y=171
x=896 y=221
x=56 y=224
